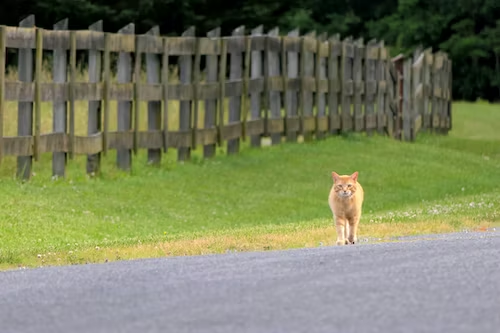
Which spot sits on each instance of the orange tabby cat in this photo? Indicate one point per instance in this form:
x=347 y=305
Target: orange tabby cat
x=346 y=200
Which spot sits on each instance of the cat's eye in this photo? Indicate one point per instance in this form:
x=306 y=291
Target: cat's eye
x=349 y=185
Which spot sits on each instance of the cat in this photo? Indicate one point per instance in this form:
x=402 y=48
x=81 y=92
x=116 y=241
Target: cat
x=346 y=201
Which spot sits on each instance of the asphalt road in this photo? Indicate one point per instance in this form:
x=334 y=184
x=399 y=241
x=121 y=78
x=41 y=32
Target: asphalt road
x=445 y=284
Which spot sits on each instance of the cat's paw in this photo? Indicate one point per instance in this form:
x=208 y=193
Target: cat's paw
x=341 y=242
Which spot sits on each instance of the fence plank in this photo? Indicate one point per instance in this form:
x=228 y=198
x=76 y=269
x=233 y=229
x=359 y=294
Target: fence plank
x=427 y=88
x=256 y=97
x=136 y=79
x=124 y=75
x=291 y=65
x=307 y=73
x=359 y=120
x=441 y=98
x=37 y=99
x=165 y=75
x=59 y=122
x=273 y=70
x=94 y=115
x=371 y=60
x=246 y=86
x=417 y=93
x=222 y=89
x=395 y=71
x=211 y=104
x=334 y=86
x=25 y=109
x=347 y=84
x=407 y=107
x=283 y=54
x=196 y=92
x=235 y=74
x=107 y=90
x=436 y=84
x=154 y=107
x=185 y=72
x=384 y=82
x=445 y=124
x=320 y=75
x=392 y=104
x=450 y=94
x=72 y=80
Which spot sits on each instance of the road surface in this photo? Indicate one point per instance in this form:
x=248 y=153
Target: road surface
x=448 y=283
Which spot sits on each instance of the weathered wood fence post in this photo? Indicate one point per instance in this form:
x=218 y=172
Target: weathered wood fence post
x=185 y=73
x=94 y=125
x=334 y=84
x=256 y=72
x=347 y=84
x=211 y=104
x=273 y=71
x=357 y=68
x=291 y=97
x=60 y=112
x=321 y=89
x=124 y=75
x=235 y=74
x=25 y=109
x=371 y=60
x=154 y=107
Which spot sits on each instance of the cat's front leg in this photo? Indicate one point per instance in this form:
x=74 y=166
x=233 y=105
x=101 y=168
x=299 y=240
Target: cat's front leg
x=340 y=225
x=346 y=233
x=353 y=230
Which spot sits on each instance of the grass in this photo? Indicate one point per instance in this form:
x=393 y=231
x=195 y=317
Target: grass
x=269 y=198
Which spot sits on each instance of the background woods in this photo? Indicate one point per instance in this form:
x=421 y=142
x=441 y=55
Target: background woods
x=468 y=30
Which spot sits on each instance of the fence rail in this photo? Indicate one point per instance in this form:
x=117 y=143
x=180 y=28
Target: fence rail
x=244 y=86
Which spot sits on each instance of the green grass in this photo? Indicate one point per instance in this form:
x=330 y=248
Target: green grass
x=274 y=197
x=478 y=121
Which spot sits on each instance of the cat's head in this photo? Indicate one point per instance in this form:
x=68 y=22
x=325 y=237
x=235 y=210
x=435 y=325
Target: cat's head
x=345 y=186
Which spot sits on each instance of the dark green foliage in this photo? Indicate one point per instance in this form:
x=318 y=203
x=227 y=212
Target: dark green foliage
x=469 y=30
x=466 y=29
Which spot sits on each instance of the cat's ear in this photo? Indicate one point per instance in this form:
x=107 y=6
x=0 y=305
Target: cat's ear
x=354 y=176
x=335 y=176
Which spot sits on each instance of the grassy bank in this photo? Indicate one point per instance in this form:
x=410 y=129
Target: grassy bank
x=261 y=199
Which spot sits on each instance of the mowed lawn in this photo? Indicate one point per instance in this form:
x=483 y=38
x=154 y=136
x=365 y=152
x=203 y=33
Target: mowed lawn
x=260 y=199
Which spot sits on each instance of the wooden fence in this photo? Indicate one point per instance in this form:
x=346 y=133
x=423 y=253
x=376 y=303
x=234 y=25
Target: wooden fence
x=244 y=86
x=426 y=93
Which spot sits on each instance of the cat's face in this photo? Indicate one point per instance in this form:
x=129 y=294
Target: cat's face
x=345 y=186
